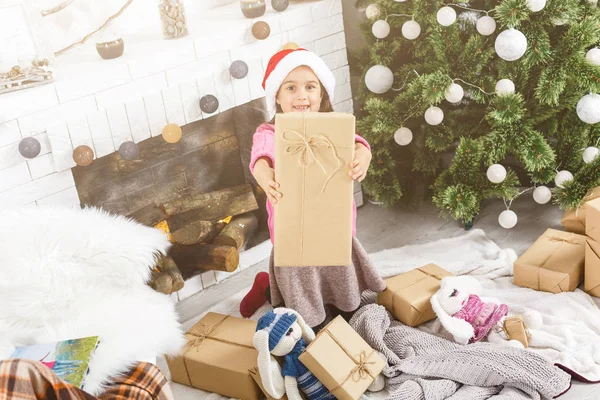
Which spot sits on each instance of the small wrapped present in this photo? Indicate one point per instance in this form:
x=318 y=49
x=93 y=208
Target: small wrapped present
x=342 y=360
x=407 y=296
x=591 y=281
x=574 y=220
x=554 y=263
x=313 y=219
x=515 y=329
x=592 y=220
x=218 y=356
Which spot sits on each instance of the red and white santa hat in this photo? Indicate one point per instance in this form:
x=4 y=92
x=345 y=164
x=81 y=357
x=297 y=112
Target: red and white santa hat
x=283 y=62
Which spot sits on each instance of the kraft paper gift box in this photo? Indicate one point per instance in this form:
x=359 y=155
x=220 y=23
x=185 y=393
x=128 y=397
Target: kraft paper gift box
x=408 y=296
x=554 y=263
x=515 y=329
x=256 y=376
x=342 y=360
x=591 y=282
x=574 y=220
x=313 y=218
x=218 y=356
x=592 y=219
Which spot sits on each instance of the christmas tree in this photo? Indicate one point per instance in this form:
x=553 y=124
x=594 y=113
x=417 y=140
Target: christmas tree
x=452 y=94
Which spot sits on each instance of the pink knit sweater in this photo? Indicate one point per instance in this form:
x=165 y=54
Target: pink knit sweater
x=263 y=145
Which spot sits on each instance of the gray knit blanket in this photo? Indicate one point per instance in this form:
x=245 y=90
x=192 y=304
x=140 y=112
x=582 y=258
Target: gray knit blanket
x=422 y=366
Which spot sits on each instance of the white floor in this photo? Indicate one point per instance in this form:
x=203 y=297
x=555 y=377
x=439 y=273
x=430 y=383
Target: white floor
x=379 y=228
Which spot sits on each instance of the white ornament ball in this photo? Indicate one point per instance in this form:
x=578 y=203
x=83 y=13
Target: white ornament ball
x=507 y=219
x=536 y=5
x=486 y=25
x=542 y=194
x=505 y=86
x=372 y=11
x=411 y=30
x=562 y=177
x=400 y=1
x=588 y=108
x=446 y=16
x=496 y=173
x=434 y=115
x=379 y=79
x=559 y=21
x=454 y=93
x=380 y=29
x=590 y=154
x=511 y=44
x=593 y=56
x=403 y=136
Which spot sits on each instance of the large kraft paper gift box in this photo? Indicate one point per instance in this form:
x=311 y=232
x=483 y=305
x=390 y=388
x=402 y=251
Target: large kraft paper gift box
x=313 y=218
x=574 y=220
x=554 y=263
x=408 y=296
x=591 y=281
x=342 y=360
x=218 y=356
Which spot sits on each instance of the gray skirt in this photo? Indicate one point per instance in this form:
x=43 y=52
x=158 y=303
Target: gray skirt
x=309 y=289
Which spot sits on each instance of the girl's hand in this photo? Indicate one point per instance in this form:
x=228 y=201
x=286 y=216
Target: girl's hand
x=265 y=177
x=360 y=165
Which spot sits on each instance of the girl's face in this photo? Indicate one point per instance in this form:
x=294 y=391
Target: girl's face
x=300 y=91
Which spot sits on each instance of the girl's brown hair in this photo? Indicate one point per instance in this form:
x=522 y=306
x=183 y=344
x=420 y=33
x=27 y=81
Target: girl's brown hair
x=325 y=106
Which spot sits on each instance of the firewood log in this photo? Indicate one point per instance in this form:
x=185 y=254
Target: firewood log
x=237 y=232
x=167 y=265
x=161 y=282
x=197 y=232
x=195 y=258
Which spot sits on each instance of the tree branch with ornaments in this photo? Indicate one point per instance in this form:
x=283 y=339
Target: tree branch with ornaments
x=479 y=99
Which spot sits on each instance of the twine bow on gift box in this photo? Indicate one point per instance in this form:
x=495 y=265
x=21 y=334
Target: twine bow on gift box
x=305 y=148
x=565 y=240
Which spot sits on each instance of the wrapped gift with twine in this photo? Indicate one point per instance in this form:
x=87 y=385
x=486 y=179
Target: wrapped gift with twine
x=218 y=356
x=575 y=220
x=554 y=263
x=408 y=296
x=342 y=360
x=515 y=329
x=313 y=219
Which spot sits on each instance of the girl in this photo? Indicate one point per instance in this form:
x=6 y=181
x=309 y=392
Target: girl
x=299 y=81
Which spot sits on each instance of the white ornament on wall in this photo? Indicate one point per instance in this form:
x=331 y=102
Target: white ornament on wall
x=562 y=177
x=590 y=154
x=372 y=11
x=511 y=44
x=505 y=86
x=486 y=25
x=434 y=115
x=593 y=56
x=496 y=173
x=403 y=136
x=536 y=5
x=542 y=194
x=380 y=29
x=508 y=219
x=588 y=108
x=411 y=30
x=454 y=93
x=379 y=79
x=446 y=16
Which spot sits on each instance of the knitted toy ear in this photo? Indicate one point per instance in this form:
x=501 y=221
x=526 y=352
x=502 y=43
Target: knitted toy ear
x=270 y=371
x=460 y=329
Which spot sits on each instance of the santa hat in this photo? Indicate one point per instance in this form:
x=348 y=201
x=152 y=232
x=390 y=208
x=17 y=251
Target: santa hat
x=283 y=62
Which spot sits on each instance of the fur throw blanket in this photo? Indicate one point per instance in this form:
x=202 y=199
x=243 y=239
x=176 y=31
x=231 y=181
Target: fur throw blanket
x=68 y=273
x=424 y=366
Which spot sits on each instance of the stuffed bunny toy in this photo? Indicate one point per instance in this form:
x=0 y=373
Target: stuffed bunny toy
x=462 y=312
x=283 y=332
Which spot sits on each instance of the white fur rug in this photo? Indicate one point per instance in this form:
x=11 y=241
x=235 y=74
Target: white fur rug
x=571 y=331
x=69 y=273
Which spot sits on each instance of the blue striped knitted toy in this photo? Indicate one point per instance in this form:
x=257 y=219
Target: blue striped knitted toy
x=279 y=332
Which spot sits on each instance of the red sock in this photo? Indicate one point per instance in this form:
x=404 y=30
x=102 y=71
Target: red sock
x=256 y=297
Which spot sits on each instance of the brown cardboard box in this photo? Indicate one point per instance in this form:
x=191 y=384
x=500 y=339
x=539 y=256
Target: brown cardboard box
x=256 y=376
x=313 y=219
x=217 y=357
x=592 y=219
x=516 y=330
x=591 y=282
x=342 y=360
x=574 y=220
x=408 y=295
x=554 y=263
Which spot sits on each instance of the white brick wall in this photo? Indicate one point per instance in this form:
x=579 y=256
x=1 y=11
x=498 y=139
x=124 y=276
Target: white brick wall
x=102 y=103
